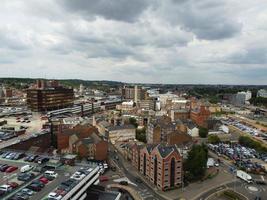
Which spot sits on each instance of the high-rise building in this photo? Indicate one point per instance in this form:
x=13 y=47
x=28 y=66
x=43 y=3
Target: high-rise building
x=45 y=98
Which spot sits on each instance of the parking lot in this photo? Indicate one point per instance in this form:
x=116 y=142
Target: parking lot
x=248 y=129
x=244 y=158
x=22 y=176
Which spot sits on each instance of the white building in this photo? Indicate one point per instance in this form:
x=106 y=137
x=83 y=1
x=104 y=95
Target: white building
x=262 y=93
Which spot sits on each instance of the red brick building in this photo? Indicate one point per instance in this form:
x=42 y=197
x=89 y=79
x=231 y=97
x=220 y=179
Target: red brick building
x=200 y=116
x=83 y=140
x=161 y=165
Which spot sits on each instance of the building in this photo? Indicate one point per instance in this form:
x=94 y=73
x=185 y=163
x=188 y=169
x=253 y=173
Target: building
x=239 y=99
x=161 y=165
x=86 y=189
x=181 y=114
x=135 y=93
x=179 y=138
x=121 y=133
x=44 y=97
x=200 y=116
x=149 y=104
x=192 y=128
x=158 y=129
x=126 y=106
x=84 y=141
x=8 y=92
x=262 y=93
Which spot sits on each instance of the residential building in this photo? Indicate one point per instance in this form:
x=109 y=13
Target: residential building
x=158 y=129
x=192 y=128
x=121 y=133
x=161 y=165
x=200 y=115
x=83 y=140
x=45 y=98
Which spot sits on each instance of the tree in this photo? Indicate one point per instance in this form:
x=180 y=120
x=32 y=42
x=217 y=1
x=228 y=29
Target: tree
x=196 y=163
x=132 y=121
x=203 y=132
x=141 y=135
x=213 y=139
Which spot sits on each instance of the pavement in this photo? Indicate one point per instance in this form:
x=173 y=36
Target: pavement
x=33 y=127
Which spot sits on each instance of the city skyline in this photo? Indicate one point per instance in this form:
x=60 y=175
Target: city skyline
x=142 y=41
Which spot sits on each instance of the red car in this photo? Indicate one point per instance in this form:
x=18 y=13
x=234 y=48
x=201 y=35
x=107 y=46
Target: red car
x=44 y=180
x=103 y=178
x=13 y=184
x=11 y=169
x=61 y=192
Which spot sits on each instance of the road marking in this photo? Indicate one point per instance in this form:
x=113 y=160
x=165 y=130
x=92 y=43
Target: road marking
x=262 y=178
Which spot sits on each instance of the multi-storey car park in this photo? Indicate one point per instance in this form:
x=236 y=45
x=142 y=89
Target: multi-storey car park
x=61 y=182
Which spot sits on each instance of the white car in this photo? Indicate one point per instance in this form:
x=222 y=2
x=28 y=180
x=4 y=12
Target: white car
x=78 y=176
x=26 y=168
x=5 y=188
x=54 y=196
x=51 y=173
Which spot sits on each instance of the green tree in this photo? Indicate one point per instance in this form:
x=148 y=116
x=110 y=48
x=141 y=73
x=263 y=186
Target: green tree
x=140 y=135
x=203 y=132
x=213 y=139
x=196 y=163
x=132 y=121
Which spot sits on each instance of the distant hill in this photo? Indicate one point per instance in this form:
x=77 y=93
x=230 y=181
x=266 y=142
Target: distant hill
x=23 y=82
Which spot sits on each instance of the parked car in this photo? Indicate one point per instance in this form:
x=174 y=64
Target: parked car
x=38 y=182
x=34 y=187
x=54 y=196
x=13 y=184
x=27 y=191
x=26 y=168
x=19 y=156
x=51 y=173
x=6 y=188
x=25 y=176
x=11 y=169
x=4 y=167
x=44 y=180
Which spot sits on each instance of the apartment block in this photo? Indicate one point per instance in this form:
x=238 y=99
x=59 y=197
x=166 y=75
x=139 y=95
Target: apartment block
x=161 y=165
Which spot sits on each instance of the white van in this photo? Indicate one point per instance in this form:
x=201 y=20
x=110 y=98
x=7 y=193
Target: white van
x=51 y=173
x=26 y=168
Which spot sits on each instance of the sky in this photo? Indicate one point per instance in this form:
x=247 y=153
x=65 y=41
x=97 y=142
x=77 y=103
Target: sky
x=148 y=41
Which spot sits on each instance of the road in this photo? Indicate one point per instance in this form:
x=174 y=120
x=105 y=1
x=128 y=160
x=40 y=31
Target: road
x=146 y=192
x=248 y=190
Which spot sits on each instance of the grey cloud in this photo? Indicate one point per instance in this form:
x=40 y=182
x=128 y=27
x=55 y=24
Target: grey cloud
x=207 y=19
x=121 y=10
x=255 y=55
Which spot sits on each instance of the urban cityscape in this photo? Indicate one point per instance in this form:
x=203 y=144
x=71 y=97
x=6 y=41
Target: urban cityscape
x=133 y=100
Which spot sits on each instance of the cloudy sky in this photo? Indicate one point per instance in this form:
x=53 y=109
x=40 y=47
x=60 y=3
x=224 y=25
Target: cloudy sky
x=151 y=41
